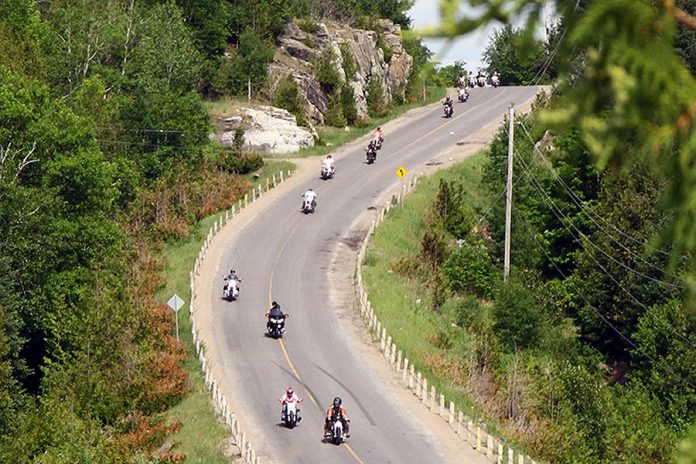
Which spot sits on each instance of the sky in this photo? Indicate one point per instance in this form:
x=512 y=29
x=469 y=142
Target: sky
x=467 y=47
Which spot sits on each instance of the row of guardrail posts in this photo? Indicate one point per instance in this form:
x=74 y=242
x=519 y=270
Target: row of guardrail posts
x=220 y=404
x=473 y=432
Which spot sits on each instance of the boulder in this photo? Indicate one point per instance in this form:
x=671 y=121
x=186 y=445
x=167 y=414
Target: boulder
x=266 y=129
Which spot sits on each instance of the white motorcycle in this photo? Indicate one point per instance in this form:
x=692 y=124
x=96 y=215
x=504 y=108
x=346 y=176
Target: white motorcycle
x=336 y=431
x=462 y=95
x=230 y=291
x=327 y=172
x=291 y=416
x=308 y=206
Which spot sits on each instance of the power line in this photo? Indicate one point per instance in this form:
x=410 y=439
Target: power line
x=592 y=215
x=561 y=216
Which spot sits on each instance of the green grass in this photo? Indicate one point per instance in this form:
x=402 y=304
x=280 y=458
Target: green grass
x=403 y=305
x=332 y=137
x=202 y=437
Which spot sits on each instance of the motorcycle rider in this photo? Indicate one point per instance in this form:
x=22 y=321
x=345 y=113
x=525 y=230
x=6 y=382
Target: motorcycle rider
x=290 y=397
x=371 y=149
x=448 y=104
x=462 y=93
x=339 y=410
x=328 y=162
x=495 y=79
x=231 y=279
x=275 y=313
x=461 y=82
x=310 y=195
x=378 y=137
x=480 y=79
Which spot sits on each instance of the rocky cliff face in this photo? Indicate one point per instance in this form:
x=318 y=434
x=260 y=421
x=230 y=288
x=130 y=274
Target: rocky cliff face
x=297 y=51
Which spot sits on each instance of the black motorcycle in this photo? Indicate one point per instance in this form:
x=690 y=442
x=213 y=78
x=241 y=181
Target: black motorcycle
x=371 y=154
x=449 y=111
x=276 y=326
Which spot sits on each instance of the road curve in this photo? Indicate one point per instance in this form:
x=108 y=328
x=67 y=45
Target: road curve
x=284 y=255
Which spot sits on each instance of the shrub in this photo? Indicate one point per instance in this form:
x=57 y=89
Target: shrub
x=334 y=115
x=308 y=25
x=469 y=269
x=288 y=96
x=433 y=249
x=348 y=104
x=349 y=65
x=325 y=70
x=376 y=104
x=517 y=316
x=241 y=163
x=451 y=209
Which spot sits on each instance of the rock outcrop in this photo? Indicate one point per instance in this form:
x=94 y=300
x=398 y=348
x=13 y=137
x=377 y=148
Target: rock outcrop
x=266 y=129
x=297 y=51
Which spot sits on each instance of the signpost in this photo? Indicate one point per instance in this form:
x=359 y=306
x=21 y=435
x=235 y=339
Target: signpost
x=176 y=303
x=401 y=172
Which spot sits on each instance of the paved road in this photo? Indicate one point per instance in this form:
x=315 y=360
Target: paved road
x=284 y=255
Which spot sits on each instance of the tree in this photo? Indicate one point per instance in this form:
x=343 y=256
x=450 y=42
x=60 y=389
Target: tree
x=518 y=318
x=510 y=56
x=250 y=63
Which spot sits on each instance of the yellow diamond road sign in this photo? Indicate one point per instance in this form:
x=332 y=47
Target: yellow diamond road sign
x=401 y=172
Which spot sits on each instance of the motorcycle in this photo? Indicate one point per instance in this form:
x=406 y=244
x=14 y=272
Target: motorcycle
x=230 y=291
x=336 y=430
x=371 y=154
x=495 y=82
x=291 y=416
x=481 y=81
x=308 y=206
x=449 y=111
x=276 y=326
x=378 y=143
x=326 y=172
x=463 y=95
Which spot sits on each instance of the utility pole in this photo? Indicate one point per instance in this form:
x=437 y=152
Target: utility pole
x=508 y=195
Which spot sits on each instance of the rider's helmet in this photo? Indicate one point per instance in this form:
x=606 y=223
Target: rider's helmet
x=328 y=156
x=275 y=304
x=337 y=402
x=289 y=391
x=232 y=271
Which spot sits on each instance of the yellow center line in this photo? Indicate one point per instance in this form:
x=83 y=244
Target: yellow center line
x=280 y=340
x=441 y=126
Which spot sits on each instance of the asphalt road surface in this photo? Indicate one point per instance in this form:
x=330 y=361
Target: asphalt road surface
x=284 y=255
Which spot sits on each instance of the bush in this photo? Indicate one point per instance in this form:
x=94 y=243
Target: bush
x=469 y=269
x=334 y=115
x=308 y=25
x=517 y=316
x=451 y=209
x=349 y=66
x=326 y=71
x=376 y=104
x=288 y=96
x=241 y=163
x=433 y=249
x=348 y=105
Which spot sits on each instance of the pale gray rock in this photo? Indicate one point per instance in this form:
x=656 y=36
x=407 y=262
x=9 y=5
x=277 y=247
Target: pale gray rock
x=266 y=129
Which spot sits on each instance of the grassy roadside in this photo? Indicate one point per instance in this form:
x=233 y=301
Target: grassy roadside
x=402 y=305
x=201 y=437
